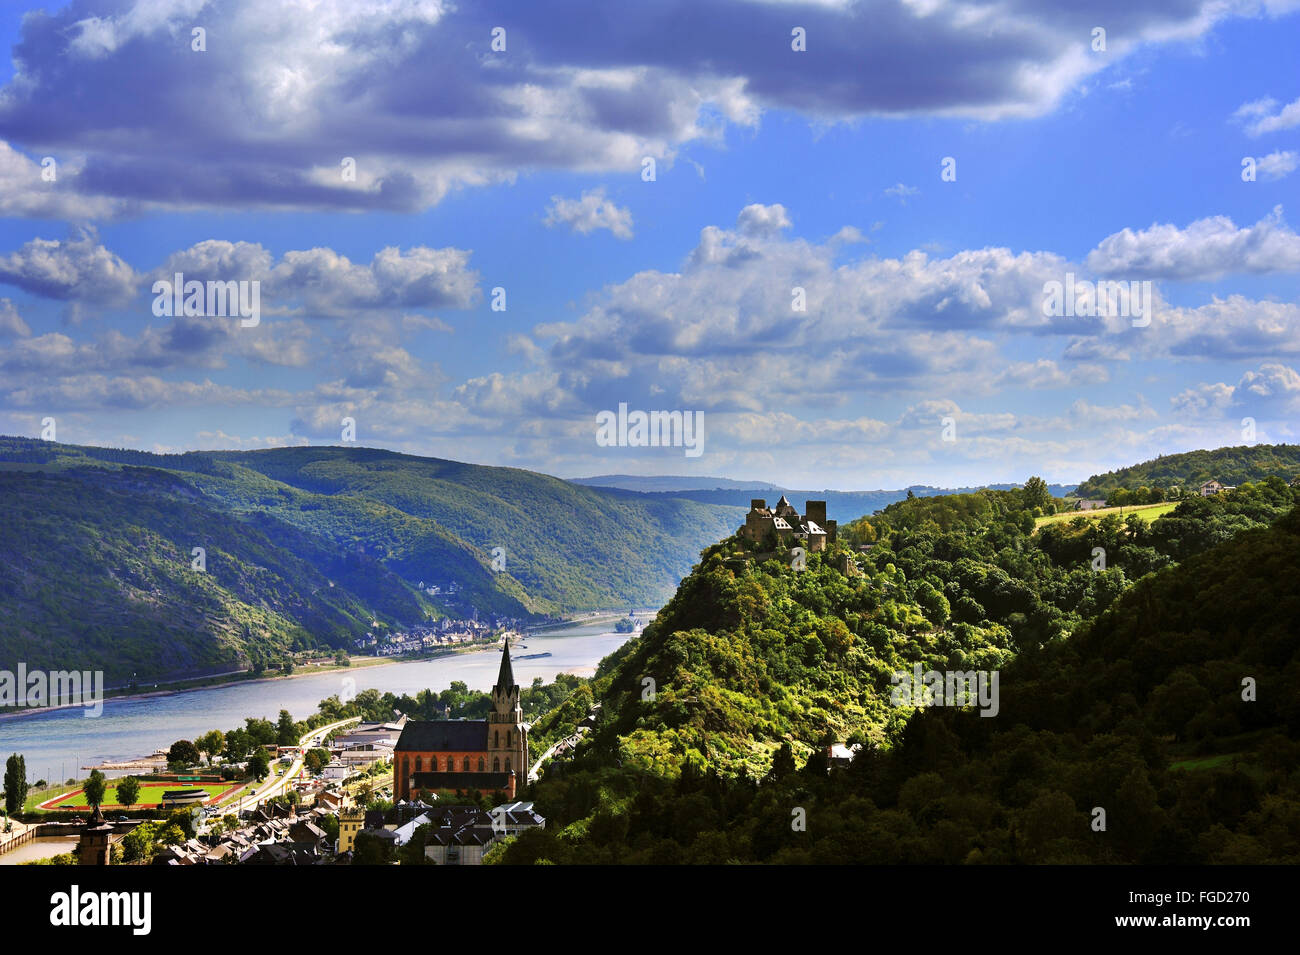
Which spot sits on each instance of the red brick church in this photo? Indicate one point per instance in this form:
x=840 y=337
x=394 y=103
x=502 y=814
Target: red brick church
x=476 y=755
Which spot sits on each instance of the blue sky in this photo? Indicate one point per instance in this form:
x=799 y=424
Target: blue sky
x=522 y=169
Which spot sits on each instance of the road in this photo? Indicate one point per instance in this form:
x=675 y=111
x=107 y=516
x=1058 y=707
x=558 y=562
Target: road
x=278 y=785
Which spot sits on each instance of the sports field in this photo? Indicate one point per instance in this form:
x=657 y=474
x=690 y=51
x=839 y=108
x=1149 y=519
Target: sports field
x=150 y=795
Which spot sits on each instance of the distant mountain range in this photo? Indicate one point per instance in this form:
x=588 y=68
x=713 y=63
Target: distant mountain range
x=842 y=506
x=305 y=547
x=654 y=483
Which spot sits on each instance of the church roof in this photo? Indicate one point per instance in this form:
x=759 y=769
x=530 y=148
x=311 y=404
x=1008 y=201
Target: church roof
x=444 y=736
x=487 y=782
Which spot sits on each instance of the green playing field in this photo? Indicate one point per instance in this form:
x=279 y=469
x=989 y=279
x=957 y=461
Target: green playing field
x=150 y=795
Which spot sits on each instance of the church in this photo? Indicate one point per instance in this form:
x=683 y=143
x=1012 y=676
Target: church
x=476 y=755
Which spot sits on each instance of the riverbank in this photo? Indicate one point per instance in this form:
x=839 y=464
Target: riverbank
x=214 y=683
x=53 y=742
x=241 y=678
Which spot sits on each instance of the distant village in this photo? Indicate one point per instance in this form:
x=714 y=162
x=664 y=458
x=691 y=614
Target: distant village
x=440 y=634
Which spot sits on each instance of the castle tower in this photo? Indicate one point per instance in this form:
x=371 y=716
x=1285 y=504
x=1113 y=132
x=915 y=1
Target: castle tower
x=96 y=840
x=507 y=734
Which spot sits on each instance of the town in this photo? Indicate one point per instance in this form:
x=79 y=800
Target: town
x=439 y=792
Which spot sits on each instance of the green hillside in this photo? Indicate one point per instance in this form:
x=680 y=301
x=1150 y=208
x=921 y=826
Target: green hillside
x=710 y=737
x=1230 y=466
x=95 y=561
x=95 y=573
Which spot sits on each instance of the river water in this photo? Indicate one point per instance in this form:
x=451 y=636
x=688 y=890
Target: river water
x=57 y=743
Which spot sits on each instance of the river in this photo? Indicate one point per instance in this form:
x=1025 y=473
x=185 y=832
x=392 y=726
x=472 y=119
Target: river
x=57 y=743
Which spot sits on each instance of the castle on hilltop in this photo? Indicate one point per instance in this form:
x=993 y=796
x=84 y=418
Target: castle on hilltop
x=811 y=530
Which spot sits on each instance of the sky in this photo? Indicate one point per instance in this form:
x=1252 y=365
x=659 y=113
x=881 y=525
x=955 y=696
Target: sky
x=828 y=232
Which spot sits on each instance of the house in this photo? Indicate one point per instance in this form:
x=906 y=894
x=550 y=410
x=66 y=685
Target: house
x=812 y=530
x=837 y=754
x=307 y=833
x=1212 y=487
x=461 y=835
x=337 y=770
x=406 y=831
x=513 y=818
x=1089 y=504
x=329 y=799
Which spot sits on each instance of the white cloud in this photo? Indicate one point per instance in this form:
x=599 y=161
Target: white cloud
x=1263 y=116
x=1206 y=249
x=1277 y=164
x=78 y=268
x=590 y=212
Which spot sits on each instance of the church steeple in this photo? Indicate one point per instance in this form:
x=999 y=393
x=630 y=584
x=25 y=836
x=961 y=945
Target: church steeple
x=507 y=731
x=506 y=676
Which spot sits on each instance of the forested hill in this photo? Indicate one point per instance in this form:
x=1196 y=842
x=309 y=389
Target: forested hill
x=1189 y=470
x=305 y=547
x=709 y=745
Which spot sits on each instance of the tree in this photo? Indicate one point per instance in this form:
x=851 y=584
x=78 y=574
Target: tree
x=184 y=752
x=139 y=842
x=182 y=819
x=258 y=764
x=783 y=761
x=369 y=849
x=1036 y=493
x=316 y=759
x=260 y=732
x=211 y=744
x=286 y=731
x=237 y=744
x=15 y=784
x=128 y=791
x=94 y=788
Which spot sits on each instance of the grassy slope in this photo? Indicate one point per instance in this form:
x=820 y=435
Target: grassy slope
x=1148 y=512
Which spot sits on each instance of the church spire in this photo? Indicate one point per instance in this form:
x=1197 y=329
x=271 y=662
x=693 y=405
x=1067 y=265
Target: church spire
x=506 y=678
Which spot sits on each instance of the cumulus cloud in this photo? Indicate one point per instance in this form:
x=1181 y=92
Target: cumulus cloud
x=412 y=91
x=1206 y=249
x=78 y=268
x=1277 y=164
x=590 y=212
x=1271 y=389
x=322 y=281
x=762 y=221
